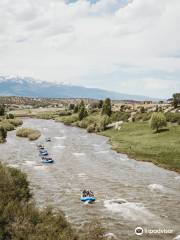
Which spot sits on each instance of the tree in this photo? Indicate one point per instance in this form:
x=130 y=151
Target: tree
x=100 y=104
x=76 y=108
x=157 y=121
x=142 y=109
x=106 y=109
x=3 y=133
x=176 y=99
x=2 y=110
x=71 y=106
x=82 y=110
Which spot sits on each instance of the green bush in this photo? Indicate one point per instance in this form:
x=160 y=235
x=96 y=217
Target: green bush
x=7 y=125
x=173 y=117
x=104 y=122
x=91 y=128
x=10 y=116
x=68 y=120
x=20 y=219
x=46 y=115
x=15 y=122
x=29 y=133
x=142 y=116
x=157 y=121
x=120 y=116
x=64 y=113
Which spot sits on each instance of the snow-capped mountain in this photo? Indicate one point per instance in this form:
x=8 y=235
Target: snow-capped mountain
x=29 y=87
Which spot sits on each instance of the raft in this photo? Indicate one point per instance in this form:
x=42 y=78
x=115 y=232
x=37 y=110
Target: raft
x=47 y=160
x=88 y=199
x=43 y=153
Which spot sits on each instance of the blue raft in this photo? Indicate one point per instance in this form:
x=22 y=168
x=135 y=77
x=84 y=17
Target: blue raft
x=88 y=199
x=47 y=160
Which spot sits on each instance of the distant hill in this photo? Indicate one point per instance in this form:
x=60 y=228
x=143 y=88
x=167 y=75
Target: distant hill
x=28 y=87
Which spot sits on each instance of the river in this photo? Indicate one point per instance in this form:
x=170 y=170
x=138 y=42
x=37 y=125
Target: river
x=129 y=193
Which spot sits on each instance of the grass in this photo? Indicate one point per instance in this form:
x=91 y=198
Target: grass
x=139 y=142
x=29 y=133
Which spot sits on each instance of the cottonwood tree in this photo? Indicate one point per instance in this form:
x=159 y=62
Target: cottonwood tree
x=82 y=111
x=2 y=110
x=157 y=121
x=3 y=133
x=176 y=99
x=106 y=109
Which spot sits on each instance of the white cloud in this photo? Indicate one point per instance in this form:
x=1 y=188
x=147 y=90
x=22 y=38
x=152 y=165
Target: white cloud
x=52 y=40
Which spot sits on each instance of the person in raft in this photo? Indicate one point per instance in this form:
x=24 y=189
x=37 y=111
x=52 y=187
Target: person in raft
x=87 y=193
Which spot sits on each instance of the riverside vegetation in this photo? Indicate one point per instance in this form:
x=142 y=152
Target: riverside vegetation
x=135 y=137
x=29 y=133
x=20 y=218
x=7 y=123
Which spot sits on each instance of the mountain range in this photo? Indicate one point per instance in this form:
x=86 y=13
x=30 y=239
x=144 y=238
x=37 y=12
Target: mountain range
x=29 y=87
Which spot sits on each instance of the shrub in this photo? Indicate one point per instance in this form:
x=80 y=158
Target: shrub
x=20 y=219
x=15 y=122
x=157 y=121
x=68 y=120
x=120 y=116
x=46 y=115
x=64 y=113
x=173 y=117
x=28 y=133
x=91 y=128
x=104 y=122
x=143 y=116
x=7 y=125
x=10 y=116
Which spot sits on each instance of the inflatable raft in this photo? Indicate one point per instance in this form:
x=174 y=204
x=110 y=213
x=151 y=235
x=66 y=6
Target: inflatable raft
x=47 y=160
x=87 y=199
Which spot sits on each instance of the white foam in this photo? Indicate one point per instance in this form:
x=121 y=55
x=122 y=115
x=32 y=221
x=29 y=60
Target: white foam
x=102 y=152
x=177 y=237
x=59 y=146
x=30 y=163
x=177 y=178
x=78 y=154
x=110 y=236
x=156 y=187
x=130 y=210
x=81 y=175
x=39 y=167
x=63 y=137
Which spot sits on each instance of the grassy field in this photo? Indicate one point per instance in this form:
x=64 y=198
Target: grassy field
x=139 y=142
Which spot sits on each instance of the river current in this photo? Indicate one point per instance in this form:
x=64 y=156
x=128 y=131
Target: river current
x=129 y=193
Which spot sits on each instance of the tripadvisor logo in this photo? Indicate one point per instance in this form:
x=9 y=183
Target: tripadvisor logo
x=139 y=231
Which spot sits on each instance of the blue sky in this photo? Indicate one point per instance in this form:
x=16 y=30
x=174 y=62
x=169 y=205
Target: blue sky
x=130 y=46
